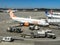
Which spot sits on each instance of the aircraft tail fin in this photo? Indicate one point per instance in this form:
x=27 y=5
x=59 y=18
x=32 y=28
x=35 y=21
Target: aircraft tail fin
x=46 y=12
x=51 y=12
x=11 y=13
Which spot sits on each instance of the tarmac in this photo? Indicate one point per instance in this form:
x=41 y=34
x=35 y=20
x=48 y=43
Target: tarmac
x=6 y=21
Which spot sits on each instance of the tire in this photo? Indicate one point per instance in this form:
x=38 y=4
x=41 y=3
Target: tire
x=11 y=40
x=53 y=37
x=32 y=35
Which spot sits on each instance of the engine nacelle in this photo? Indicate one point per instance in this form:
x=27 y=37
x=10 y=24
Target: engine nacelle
x=26 y=24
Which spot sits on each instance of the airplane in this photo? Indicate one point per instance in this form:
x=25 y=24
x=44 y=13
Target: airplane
x=52 y=19
x=28 y=21
x=52 y=14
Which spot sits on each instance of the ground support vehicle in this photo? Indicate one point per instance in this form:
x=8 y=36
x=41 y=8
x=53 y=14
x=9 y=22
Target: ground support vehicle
x=51 y=35
x=7 y=39
x=34 y=27
x=14 y=29
x=40 y=34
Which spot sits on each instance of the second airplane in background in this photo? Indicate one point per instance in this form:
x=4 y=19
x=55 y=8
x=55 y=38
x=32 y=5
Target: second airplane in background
x=52 y=14
x=53 y=18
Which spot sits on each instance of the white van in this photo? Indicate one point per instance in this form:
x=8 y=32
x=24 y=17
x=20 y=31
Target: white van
x=7 y=39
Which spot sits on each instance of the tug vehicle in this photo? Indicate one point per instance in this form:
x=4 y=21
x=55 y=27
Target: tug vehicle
x=7 y=39
x=14 y=29
x=34 y=27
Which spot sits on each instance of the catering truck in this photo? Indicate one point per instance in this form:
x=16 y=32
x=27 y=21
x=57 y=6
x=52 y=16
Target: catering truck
x=40 y=34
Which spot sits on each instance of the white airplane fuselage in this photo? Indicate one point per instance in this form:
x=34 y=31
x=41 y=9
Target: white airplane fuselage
x=57 y=13
x=53 y=16
x=54 y=19
x=31 y=21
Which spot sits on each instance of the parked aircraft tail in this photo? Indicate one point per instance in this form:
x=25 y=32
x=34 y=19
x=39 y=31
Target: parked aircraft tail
x=46 y=12
x=11 y=13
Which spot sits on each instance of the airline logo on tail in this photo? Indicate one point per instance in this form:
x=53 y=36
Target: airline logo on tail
x=48 y=13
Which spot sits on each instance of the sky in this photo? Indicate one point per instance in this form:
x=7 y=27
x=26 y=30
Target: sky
x=30 y=4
